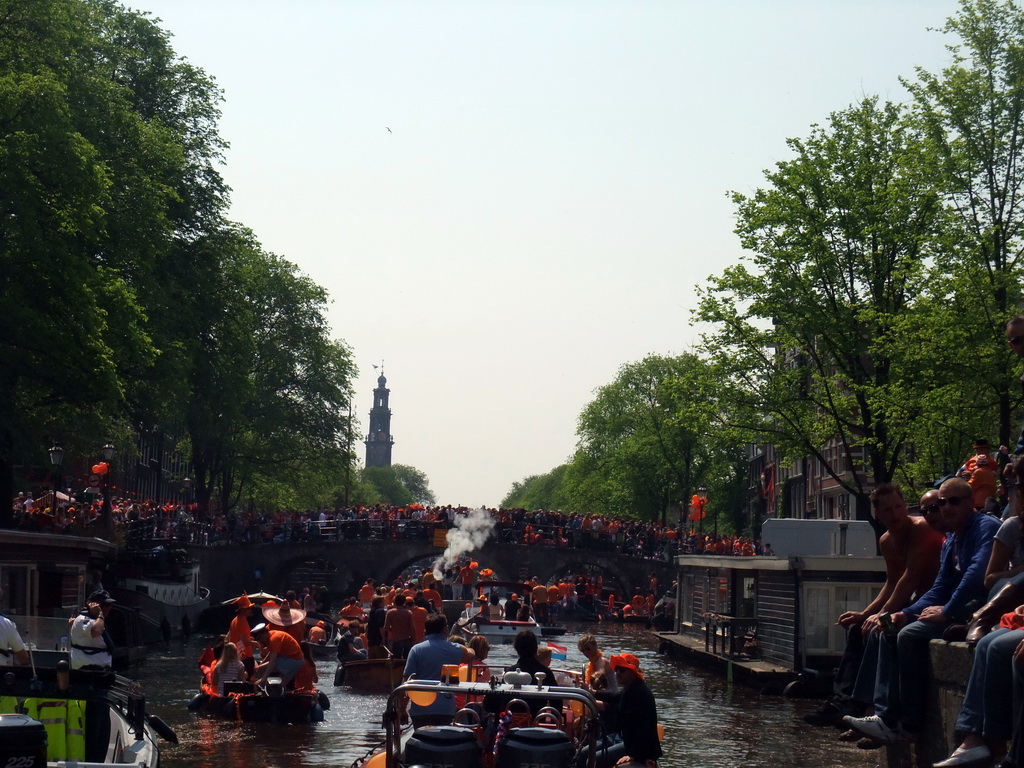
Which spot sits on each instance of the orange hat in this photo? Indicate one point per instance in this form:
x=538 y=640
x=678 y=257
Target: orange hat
x=243 y=602
x=627 y=661
x=321 y=625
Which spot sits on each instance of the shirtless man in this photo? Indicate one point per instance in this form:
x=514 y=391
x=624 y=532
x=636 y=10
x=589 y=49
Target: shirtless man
x=910 y=547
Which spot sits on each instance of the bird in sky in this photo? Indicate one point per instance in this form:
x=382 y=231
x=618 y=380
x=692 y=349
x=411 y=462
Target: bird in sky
x=389 y=130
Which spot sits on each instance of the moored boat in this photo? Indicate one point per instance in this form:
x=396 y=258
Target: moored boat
x=80 y=717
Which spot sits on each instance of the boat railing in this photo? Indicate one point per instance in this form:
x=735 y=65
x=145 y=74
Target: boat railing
x=579 y=705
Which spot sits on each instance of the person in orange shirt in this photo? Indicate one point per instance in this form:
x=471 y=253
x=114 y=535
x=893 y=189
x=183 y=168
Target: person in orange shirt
x=239 y=633
x=433 y=597
x=554 y=600
x=352 y=610
x=419 y=618
x=282 y=652
x=366 y=593
x=286 y=619
x=318 y=633
x=306 y=678
x=539 y=598
x=638 y=602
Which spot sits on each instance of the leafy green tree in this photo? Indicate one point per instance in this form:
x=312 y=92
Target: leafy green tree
x=390 y=489
x=810 y=331
x=416 y=483
x=972 y=114
x=646 y=440
x=539 y=491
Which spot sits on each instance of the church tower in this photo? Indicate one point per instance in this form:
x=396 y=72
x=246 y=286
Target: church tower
x=379 y=440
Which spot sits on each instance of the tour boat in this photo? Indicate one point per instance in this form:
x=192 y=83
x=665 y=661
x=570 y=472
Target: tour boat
x=84 y=718
x=496 y=727
x=497 y=631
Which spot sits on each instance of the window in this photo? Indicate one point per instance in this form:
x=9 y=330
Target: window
x=822 y=604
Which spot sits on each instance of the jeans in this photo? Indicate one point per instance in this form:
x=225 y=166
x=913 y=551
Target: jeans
x=986 y=709
x=844 y=684
x=903 y=674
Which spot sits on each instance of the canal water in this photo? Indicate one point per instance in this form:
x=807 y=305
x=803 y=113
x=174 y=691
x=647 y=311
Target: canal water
x=709 y=723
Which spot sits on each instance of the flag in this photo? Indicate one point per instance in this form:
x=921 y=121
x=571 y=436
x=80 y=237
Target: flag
x=558 y=651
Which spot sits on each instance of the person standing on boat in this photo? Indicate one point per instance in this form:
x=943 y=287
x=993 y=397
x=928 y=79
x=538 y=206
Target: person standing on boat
x=240 y=635
x=399 y=629
x=90 y=645
x=12 y=647
x=425 y=662
x=637 y=713
x=375 y=629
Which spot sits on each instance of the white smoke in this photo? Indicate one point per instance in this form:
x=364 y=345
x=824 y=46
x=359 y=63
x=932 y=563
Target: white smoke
x=471 y=532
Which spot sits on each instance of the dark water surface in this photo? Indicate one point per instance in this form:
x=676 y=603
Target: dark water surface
x=709 y=723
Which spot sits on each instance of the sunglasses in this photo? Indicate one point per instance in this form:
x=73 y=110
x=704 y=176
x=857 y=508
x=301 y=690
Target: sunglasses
x=1015 y=340
x=931 y=509
x=954 y=500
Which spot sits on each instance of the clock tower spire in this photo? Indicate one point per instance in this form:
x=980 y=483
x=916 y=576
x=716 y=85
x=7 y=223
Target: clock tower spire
x=379 y=440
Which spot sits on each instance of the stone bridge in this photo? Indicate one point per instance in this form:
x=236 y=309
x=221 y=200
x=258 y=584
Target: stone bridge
x=343 y=566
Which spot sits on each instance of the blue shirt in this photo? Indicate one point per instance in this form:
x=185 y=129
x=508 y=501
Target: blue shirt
x=424 y=661
x=962 y=566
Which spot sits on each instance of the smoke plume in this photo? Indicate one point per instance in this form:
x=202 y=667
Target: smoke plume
x=471 y=531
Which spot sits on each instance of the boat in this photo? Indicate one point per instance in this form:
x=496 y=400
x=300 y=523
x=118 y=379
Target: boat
x=497 y=631
x=370 y=675
x=249 y=703
x=161 y=583
x=496 y=727
x=79 y=717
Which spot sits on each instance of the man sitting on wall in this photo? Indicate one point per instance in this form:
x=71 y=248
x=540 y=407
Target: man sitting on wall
x=902 y=660
x=910 y=547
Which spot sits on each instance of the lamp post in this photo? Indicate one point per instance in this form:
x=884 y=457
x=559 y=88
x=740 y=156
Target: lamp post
x=56 y=459
x=108 y=452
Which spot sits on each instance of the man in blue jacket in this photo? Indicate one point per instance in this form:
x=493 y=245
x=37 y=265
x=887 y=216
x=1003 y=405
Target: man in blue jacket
x=958 y=589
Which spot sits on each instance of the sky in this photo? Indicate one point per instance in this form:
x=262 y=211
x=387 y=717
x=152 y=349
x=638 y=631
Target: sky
x=509 y=201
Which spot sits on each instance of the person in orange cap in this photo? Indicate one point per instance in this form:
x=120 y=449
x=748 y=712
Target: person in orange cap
x=239 y=633
x=636 y=714
x=318 y=633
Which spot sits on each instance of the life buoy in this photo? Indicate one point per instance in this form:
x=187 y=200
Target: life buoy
x=75 y=730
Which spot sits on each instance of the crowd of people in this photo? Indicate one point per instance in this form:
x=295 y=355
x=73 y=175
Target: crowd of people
x=404 y=620
x=956 y=573
x=147 y=520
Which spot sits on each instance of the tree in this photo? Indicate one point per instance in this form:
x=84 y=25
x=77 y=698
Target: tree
x=808 y=338
x=415 y=482
x=545 y=491
x=973 y=118
x=646 y=441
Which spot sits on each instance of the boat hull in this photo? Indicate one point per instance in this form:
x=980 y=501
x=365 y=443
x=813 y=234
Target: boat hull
x=260 y=708
x=370 y=675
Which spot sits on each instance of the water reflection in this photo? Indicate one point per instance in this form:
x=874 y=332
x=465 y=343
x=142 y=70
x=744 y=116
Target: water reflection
x=708 y=722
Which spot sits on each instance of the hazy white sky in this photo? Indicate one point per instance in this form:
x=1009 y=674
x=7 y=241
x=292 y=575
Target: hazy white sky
x=551 y=189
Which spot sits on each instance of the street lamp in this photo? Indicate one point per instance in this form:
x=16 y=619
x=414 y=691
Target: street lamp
x=56 y=459
x=108 y=452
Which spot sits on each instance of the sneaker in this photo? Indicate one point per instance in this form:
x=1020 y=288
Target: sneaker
x=827 y=714
x=874 y=728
